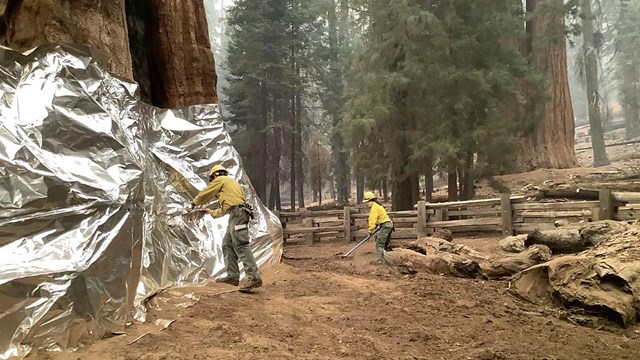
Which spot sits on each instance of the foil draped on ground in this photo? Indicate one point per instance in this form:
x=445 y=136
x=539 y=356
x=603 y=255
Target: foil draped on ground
x=94 y=187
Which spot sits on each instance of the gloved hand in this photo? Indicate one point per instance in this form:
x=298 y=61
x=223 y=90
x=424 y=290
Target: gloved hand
x=193 y=206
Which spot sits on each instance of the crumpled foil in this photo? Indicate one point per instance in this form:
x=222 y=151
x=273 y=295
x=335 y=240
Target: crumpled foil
x=94 y=187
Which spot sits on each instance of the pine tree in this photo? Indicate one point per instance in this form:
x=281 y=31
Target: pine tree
x=257 y=87
x=431 y=82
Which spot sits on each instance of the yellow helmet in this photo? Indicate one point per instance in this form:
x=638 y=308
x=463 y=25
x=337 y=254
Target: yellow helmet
x=369 y=196
x=218 y=168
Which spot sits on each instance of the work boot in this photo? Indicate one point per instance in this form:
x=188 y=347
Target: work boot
x=251 y=284
x=228 y=280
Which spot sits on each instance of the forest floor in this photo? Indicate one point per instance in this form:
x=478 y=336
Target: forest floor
x=622 y=174
x=315 y=305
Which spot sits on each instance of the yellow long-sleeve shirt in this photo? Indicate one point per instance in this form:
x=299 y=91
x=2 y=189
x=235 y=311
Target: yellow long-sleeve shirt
x=377 y=216
x=226 y=190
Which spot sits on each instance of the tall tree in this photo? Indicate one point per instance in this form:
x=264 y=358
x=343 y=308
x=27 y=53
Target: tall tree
x=333 y=52
x=551 y=144
x=431 y=82
x=590 y=53
x=256 y=54
x=627 y=47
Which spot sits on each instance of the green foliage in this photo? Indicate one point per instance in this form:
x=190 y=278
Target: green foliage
x=440 y=78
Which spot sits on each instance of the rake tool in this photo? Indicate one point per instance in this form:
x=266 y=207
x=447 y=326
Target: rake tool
x=359 y=244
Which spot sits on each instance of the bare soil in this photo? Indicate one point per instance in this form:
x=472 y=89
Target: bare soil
x=317 y=306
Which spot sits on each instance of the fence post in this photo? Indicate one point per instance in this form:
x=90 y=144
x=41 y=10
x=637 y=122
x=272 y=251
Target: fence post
x=347 y=223
x=606 y=205
x=308 y=223
x=422 y=219
x=439 y=216
x=507 y=215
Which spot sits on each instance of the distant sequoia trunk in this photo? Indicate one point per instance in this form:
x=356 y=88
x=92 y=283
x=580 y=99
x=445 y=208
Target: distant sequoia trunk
x=162 y=44
x=552 y=144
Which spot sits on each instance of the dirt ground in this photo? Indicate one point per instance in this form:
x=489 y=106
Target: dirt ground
x=317 y=306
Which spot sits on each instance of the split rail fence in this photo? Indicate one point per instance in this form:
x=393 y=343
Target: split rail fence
x=508 y=214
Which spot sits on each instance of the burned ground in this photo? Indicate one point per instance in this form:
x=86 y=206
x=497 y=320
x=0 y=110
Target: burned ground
x=317 y=306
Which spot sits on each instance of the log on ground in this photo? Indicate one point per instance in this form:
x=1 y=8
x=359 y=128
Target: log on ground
x=602 y=280
x=562 y=240
x=438 y=256
x=513 y=244
x=573 y=239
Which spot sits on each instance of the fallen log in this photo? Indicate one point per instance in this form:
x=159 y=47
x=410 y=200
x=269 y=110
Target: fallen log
x=437 y=256
x=602 y=280
x=561 y=240
x=568 y=193
x=595 y=233
x=508 y=265
x=435 y=263
x=513 y=244
x=575 y=238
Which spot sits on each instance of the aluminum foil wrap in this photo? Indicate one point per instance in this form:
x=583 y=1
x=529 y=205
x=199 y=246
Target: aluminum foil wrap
x=94 y=186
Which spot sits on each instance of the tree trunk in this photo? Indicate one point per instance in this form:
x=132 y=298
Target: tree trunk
x=258 y=170
x=319 y=189
x=551 y=145
x=428 y=179
x=403 y=194
x=468 y=178
x=276 y=163
x=627 y=64
x=332 y=188
x=359 y=186
x=590 y=53
x=163 y=45
x=294 y=127
x=385 y=191
x=415 y=189
x=299 y=143
x=182 y=56
x=630 y=102
x=30 y=23
x=340 y=166
x=461 y=183
x=452 y=186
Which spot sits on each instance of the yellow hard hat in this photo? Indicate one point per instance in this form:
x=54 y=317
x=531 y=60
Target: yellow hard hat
x=218 y=168
x=369 y=196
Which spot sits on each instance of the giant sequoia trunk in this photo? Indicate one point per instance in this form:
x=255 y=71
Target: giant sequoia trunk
x=168 y=51
x=552 y=144
x=98 y=23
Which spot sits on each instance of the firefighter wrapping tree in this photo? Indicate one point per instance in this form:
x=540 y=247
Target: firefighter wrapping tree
x=235 y=245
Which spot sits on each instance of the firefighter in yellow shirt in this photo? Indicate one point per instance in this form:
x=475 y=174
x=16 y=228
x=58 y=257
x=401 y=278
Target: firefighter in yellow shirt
x=379 y=219
x=235 y=244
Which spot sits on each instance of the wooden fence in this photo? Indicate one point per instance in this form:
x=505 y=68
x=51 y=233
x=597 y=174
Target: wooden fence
x=507 y=214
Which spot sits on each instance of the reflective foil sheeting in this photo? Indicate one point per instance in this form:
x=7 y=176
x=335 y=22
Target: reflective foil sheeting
x=94 y=187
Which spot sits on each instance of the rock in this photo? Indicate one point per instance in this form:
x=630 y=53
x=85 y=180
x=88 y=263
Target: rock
x=513 y=244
